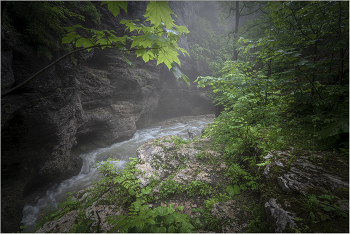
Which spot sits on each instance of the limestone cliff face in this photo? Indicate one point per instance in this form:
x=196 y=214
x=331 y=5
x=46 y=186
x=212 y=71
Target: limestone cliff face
x=70 y=109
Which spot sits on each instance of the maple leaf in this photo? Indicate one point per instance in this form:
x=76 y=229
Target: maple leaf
x=158 y=12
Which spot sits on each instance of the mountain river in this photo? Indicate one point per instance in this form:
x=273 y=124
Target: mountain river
x=39 y=202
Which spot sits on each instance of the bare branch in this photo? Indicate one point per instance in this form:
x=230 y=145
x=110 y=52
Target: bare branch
x=53 y=63
x=242 y=8
x=252 y=12
x=261 y=9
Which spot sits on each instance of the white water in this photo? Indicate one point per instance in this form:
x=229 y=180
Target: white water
x=122 y=151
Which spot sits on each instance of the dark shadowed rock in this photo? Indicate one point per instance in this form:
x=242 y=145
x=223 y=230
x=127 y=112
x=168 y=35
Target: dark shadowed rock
x=71 y=109
x=230 y=210
x=293 y=176
x=277 y=217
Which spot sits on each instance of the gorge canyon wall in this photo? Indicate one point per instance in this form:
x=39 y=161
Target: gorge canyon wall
x=71 y=109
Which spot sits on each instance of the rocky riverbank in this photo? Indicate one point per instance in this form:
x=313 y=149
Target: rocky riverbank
x=194 y=174
x=80 y=105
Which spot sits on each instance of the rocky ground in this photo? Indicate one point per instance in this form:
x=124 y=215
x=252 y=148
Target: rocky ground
x=293 y=184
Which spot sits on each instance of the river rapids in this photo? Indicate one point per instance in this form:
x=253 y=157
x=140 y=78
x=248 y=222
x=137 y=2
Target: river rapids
x=42 y=200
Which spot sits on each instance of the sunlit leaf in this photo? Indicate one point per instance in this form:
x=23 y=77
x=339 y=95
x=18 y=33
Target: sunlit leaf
x=158 y=11
x=70 y=37
x=114 y=6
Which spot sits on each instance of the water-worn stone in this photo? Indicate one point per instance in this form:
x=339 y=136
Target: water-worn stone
x=152 y=156
x=64 y=224
x=294 y=172
x=303 y=174
x=277 y=217
x=283 y=184
x=97 y=213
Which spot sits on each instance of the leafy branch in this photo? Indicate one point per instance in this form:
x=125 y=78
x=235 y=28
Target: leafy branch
x=24 y=83
x=147 y=45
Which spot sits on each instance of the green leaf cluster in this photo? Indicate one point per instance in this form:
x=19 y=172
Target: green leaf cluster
x=159 y=220
x=198 y=188
x=305 y=48
x=157 y=41
x=122 y=188
x=282 y=90
x=322 y=207
x=41 y=32
x=170 y=188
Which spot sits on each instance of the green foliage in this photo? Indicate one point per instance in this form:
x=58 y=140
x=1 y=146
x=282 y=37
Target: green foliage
x=206 y=220
x=234 y=190
x=198 y=188
x=42 y=32
x=281 y=92
x=322 y=207
x=158 y=12
x=143 y=219
x=289 y=86
x=114 y=6
x=158 y=41
x=258 y=221
x=178 y=141
x=49 y=214
x=305 y=48
x=89 y=11
x=209 y=204
x=122 y=188
x=241 y=180
x=170 y=188
x=252 y=104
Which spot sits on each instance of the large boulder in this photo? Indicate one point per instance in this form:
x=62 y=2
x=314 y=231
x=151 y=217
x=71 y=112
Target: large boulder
x=302 y=188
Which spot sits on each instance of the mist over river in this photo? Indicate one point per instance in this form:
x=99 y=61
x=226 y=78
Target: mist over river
x=37 y=203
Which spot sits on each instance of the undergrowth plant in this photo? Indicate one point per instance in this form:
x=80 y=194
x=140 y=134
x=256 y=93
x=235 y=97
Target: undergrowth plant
x=160 y=220
x=122 y=188
x=322 y=207
x=178 y=141
x=198 y=188
x=169 y=188
x=258 y=221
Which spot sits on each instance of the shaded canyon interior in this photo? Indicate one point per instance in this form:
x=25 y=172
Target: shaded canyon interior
x=71 y=109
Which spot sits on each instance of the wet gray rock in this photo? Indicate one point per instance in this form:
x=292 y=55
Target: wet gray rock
x=97 y=213
x=64 y=224
x=303 y=174
x=277 y=217
x=267 y=173
x=300 y=173
x=283 y=184
x=154 y=155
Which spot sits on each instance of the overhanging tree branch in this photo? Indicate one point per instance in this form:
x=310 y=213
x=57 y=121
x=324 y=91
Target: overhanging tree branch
x=59 y=59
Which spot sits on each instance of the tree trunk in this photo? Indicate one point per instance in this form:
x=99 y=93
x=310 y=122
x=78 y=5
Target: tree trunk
x=235 y=52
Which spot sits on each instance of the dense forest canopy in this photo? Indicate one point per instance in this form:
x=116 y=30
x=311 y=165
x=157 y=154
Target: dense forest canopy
x=288 y=72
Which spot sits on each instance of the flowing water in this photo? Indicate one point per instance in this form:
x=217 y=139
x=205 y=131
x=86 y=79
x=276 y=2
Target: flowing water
x=36 y=205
